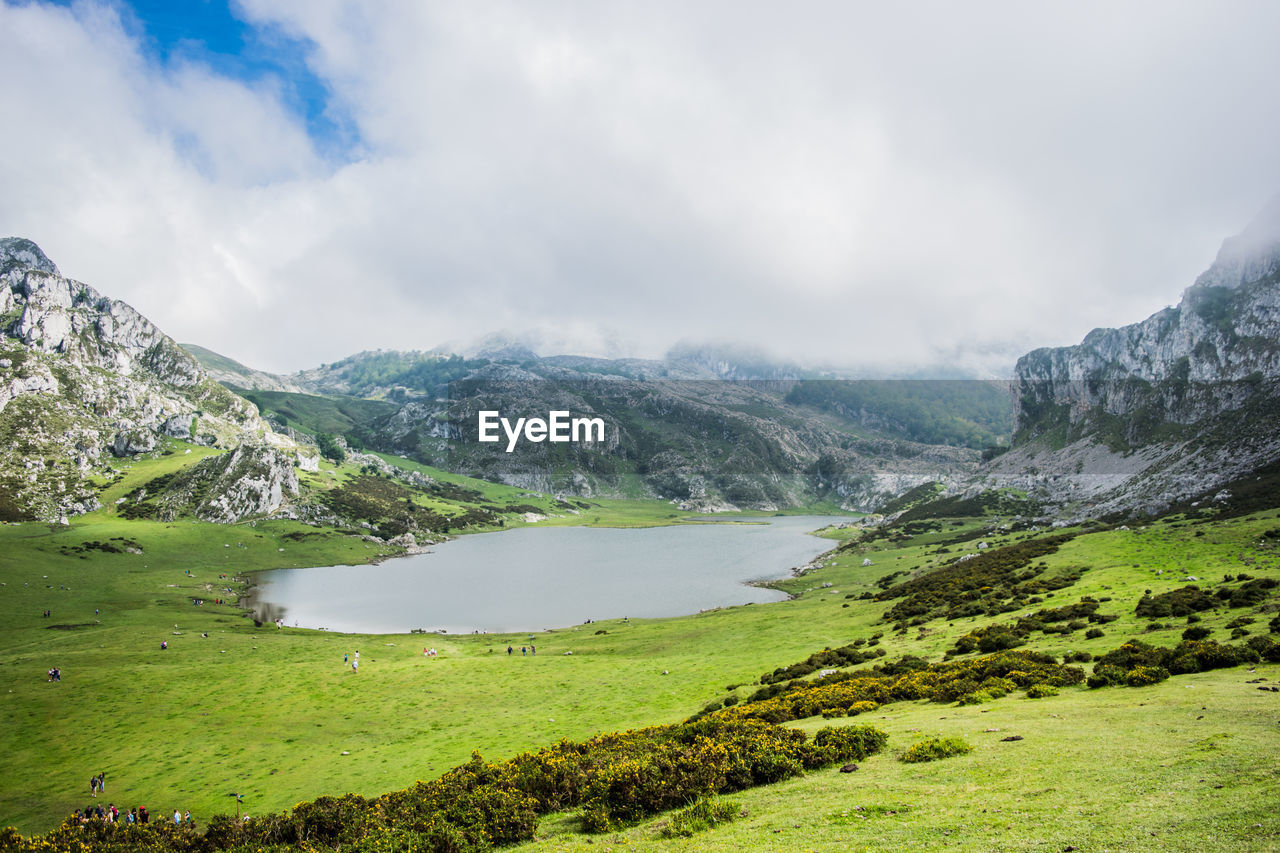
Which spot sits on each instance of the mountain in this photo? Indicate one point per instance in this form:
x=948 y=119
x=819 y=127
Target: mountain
x=1167 y=410
x=706 y=428
x=228 y=371
x=85 y=378
x=705 y=443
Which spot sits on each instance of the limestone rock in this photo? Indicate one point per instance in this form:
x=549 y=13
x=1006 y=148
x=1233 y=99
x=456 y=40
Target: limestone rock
x=82 y=375
x=1137 y=418
x=129 y=442
x=252 y=480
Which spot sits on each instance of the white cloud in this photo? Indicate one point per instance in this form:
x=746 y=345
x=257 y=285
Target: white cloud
x=836 y=182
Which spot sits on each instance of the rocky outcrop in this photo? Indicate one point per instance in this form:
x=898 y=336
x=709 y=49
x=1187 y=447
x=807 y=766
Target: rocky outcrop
x=84 y=378
x=1140 y=417
x=252 y=480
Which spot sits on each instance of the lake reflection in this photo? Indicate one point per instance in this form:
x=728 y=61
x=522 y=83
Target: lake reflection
x=535 y=578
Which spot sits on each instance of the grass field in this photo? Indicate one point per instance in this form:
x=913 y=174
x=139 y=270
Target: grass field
x=276 y=716
x=1182 y=765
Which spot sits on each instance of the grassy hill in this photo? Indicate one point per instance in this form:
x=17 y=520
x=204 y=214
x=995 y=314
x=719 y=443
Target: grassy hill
x=275 y=716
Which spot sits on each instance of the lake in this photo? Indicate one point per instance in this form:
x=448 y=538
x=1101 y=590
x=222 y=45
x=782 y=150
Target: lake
x=532 y=578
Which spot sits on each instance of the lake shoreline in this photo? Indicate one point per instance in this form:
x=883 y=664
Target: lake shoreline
x=565 y=576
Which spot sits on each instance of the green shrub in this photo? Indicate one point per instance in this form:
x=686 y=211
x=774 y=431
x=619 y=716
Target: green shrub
x=979 y=585
x=1040 y=691
x=1175 y=602
x=933 y=749
x=1196 y=632
x=848 y=743
x=1106 y=675
x=1094 y=633
x=595 y=818
x=1265 y=649
x=702 y=815
x=1251 y=593
x=1140 y=676
x=977 y=697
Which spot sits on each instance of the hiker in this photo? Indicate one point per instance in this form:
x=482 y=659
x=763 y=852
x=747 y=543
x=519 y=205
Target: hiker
x=177 y=817
x=533 y=650
x=93 y=785
x=355 y=665
x=524 y=650
x=344 y=659
x=164 y=644
x=510 y=650
x=102 y=782
x=143 y=815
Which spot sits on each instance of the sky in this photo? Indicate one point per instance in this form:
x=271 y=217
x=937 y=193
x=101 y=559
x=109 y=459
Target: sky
x=868 y=185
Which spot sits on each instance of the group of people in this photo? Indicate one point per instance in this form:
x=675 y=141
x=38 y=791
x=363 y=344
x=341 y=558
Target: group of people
x=137 y=814
x=530 y=649
x=55 y=674
x=111 y=814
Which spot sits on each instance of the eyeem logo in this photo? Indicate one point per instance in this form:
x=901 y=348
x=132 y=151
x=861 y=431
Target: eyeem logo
x=556 y=427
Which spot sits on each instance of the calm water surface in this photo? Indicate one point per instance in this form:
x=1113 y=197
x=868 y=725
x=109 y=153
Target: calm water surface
x=535 y=578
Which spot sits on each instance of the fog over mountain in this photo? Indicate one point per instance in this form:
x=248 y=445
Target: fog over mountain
x=856 y=185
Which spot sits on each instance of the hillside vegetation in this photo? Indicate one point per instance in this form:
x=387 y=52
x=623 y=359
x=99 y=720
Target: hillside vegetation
x=273 y=715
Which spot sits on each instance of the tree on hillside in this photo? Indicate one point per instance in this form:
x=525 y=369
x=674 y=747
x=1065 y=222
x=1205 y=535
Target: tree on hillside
x=329 y=447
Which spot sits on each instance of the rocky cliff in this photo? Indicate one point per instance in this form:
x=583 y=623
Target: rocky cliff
x=85 y=378
x=1144 y=416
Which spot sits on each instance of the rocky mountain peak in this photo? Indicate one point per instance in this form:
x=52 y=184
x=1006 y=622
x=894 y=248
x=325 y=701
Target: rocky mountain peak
x=1251 y=255
x=52 y=314
x=84 y=379
x=1159 y=411
x=21 y=253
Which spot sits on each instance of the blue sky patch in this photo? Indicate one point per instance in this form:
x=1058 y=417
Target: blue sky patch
x=210 y=33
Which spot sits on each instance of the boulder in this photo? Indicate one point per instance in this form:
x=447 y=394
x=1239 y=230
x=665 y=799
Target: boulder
x=129 y=442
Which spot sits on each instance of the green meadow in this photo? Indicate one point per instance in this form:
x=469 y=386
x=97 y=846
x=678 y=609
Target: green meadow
x=276 y=716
